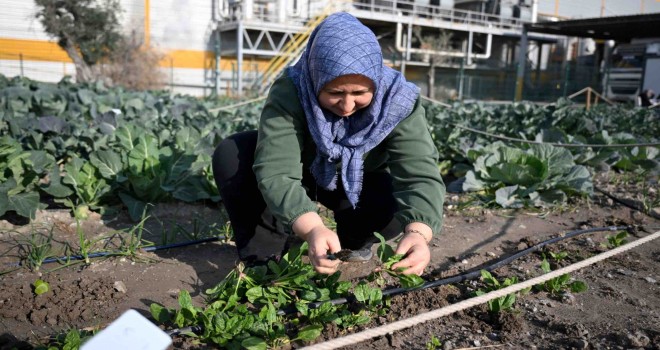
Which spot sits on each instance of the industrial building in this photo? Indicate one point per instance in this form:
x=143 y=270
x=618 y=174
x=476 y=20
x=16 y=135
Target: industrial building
x=453 y=49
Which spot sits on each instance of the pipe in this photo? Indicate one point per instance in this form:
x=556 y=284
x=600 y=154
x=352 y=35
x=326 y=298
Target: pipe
x=118 y=253
x=454 y=279
x=401 y=48
x=476 y=273
x=221 y=9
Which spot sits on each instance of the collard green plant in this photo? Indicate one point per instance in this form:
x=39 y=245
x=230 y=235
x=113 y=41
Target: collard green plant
x=111 y=146
x=561 y=122
x=20 y=173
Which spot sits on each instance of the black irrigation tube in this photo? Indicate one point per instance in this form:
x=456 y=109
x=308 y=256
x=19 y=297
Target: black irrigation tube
x=119 y=253
x=627 y=203
x=440 y=282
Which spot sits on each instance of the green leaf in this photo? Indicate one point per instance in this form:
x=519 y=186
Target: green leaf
x=547 y=198
x=472 y=183
x=55 y=187
x=135 y=103
x=136 y=208
x=254 y=343
x=4 y=203
x=361 y=292
x=159 y=313
x=272 y=265
x=559 y=160
x=508 y=197
x=125 y=136
x=85 y=96
x=545 y=266
x=185 y=301
x=579 y=180
x=41 y=161
x=384 y=251
x=144 y=156
x=108 y=163
x=25 y=204
x=579 y=287
x=410 y=281
x=310 y=332
x=519 y=174
x=72 y=341
x=255 y=293
x=40 y=287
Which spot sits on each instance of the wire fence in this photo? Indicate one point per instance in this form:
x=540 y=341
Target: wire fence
x=554 y=81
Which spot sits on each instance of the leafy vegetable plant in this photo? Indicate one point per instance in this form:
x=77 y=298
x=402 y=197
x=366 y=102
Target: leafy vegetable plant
x=559 y=284
x=247 y=309
x=541 y=176
x=491 y=284
x=40 y=287
x=433 y=344
x=388 y=258
x=559 y=256
x=615 y=240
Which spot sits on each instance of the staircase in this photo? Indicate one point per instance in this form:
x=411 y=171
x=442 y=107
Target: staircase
x=292 y=50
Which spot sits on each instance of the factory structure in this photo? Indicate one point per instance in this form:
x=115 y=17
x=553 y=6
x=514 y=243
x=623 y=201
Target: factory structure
x=452 y=49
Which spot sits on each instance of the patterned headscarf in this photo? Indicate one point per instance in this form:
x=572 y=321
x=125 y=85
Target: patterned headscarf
x=341 y=45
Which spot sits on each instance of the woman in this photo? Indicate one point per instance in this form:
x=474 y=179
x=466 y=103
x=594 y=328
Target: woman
x=342 y=129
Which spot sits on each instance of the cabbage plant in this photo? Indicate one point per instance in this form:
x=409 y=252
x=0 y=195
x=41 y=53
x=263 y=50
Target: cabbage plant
x=540 y=176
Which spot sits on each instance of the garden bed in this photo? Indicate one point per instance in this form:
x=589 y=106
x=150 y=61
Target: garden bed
x=619 y=310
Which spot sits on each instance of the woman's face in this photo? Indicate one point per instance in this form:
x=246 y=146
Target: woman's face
x=347 y=94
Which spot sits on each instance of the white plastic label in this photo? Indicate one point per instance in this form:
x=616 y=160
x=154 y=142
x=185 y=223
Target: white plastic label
x=130 y=331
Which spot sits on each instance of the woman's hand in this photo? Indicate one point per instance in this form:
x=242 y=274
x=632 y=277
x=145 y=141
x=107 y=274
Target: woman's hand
x=321 y=241
x=414 y=245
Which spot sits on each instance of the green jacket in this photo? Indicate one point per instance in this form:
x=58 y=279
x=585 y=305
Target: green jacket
x=285 y=146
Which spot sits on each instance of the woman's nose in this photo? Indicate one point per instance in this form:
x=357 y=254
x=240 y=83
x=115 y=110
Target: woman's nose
x=347 y=104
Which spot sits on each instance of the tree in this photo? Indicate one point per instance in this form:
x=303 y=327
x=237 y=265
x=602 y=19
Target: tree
x=87 y=30
x=439 y=43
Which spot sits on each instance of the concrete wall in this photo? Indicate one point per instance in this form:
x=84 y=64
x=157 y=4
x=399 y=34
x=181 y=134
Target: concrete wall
x=179 y=29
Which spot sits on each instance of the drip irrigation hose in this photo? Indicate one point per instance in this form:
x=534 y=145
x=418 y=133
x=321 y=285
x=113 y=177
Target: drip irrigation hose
x=118 y=252
x=440 y=282
x=628 y=204
x=477 y=273
x=468 y=303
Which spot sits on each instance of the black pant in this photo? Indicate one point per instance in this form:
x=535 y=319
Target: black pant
x=249 y=215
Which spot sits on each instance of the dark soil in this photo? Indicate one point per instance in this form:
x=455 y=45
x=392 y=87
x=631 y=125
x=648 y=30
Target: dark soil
x=620 y=310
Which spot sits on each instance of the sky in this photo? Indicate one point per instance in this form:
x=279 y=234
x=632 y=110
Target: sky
x=594 y=8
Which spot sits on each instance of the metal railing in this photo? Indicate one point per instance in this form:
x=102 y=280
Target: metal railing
x=434 y=12
x=293 y=49
x=405 y=8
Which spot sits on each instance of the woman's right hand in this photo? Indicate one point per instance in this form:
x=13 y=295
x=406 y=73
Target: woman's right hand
x=323 y=241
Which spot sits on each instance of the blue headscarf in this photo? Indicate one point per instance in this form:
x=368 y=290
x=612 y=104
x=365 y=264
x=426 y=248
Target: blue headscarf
x=341 y=45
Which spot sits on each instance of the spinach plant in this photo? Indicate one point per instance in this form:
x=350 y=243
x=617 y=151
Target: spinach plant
x=500 y=304
x=562 y=283
x=388 y=258
x=616 y=240
x=247 y=307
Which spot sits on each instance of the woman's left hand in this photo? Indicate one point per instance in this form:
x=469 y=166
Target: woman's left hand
x=417 y=254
